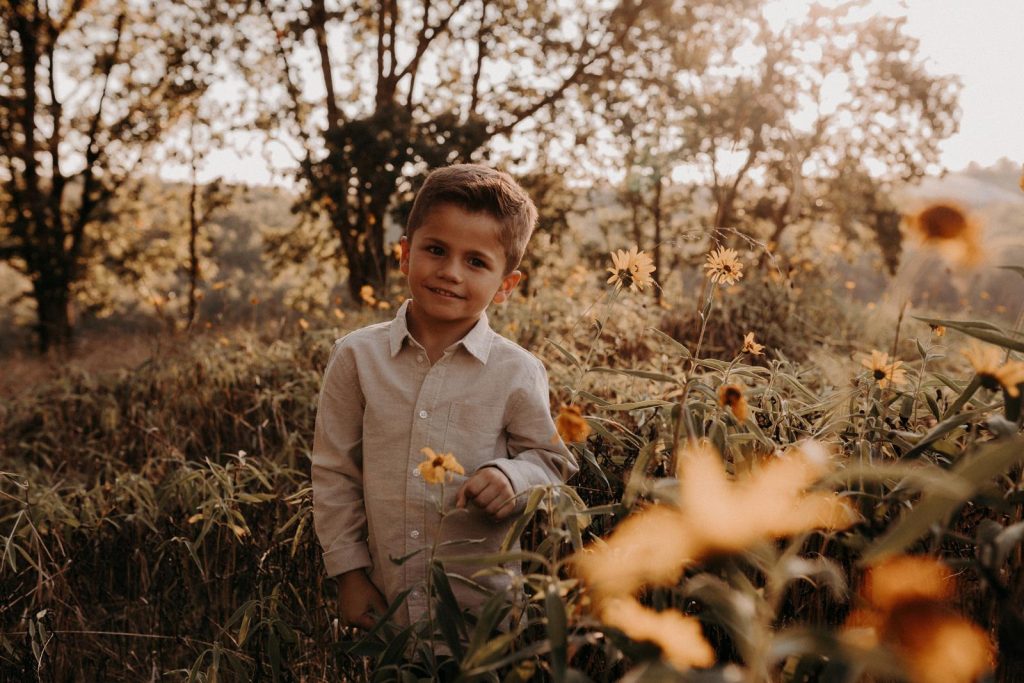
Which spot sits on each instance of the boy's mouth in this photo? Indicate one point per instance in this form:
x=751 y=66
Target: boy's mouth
x=444 y=292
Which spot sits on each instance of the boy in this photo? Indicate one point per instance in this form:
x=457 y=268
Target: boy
x=436 y=376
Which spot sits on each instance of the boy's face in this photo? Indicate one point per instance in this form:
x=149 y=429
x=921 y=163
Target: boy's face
x=456 y=266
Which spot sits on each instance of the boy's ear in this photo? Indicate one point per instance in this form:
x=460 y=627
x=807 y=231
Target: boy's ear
x=508 y=284
x=403 y=262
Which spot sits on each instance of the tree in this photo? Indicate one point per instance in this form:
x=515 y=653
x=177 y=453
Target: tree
x=403 y=86
x=85 y=87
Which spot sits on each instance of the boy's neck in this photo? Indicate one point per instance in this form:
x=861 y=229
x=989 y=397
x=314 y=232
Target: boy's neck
x=436 y=337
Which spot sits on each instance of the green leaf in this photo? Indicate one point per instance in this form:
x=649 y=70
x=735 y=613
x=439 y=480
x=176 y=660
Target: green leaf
x=980 y=330
x=449 y=616
x=940 y=430
x=557 y=623
x=637 y=405
x=1017 y=269
x=565 y=352
x=516 y=530
x=643 y=374
x=976 y=471
x=679 y=346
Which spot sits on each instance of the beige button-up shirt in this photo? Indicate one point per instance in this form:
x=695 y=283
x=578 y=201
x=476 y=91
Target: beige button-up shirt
x=485 y=400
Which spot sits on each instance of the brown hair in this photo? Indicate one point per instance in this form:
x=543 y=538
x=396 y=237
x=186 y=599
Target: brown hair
x=477 y=188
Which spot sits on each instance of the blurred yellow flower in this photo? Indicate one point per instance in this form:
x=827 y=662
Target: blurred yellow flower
x=752 y=347
x=304 y=324
x=571 y=425
x=987 y=362
x=904 y=608
x=648 y=548
x=726 y=516
x=731 y=396
x=907 y=578
x=938 y=330
x=724 y=266
x=366 y=294
x=948 y=226
x=631 y=269
x=680 y=637
x=436 y=466
x=883 y=371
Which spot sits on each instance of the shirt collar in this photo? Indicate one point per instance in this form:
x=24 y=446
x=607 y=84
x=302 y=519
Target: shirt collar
x=477 y=341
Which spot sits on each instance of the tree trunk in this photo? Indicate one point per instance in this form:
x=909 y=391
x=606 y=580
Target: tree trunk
x=52 y=295
x=656 y=211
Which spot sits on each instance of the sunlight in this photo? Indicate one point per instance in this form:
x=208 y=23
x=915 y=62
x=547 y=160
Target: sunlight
x=779 y=13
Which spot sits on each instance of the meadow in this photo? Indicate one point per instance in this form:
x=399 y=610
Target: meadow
x=776 y=484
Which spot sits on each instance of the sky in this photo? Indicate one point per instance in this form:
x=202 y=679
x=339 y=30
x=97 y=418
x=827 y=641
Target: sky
x=981 y=41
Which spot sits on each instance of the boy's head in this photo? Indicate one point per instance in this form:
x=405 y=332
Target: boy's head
x=479 y=189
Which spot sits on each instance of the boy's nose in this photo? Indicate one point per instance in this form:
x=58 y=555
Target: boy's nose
x=449 y=271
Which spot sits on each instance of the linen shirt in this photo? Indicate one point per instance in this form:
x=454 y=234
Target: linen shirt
x=485 y=400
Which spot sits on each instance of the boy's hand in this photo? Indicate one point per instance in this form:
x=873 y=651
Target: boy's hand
x=359 y=600
x=490 y=490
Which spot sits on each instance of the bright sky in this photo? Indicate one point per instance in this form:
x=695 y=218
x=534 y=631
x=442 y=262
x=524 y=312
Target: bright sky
x=979 y=40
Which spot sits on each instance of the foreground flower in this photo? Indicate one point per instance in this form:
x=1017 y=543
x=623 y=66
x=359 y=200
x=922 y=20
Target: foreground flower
x=571 y=426
x=987 y=362
x=631 y=269
x=731 y=396
x=724 y=266
x=904 y=608
x=680 y=638
x=948 y=226
x=716 y=515
x=883 y=371
x=437 y=466
x=752 y=347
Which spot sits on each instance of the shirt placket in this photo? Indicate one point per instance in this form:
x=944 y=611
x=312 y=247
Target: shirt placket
x=427 y=428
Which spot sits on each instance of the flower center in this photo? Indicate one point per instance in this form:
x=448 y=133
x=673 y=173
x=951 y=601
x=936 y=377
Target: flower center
x=879 y=373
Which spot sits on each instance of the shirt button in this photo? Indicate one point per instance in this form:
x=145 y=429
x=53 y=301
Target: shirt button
x=420 y=358
x=414 y=533
x=423 y=414
x=416 y=471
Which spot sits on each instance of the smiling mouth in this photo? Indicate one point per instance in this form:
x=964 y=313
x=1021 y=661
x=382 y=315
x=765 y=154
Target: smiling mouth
x=444 y=293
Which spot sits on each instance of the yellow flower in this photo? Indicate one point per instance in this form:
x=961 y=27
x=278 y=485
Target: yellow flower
x=727 y=516
x=680 y=637
x=724 y=266
x=938 y=330
x=883 y=371
x=366 y=294
x=731 y=396
x=948 y=226
x=993 y=373
x=631 y=269
x=571 y=425
x=752 y=347
x=904 y=609
x=648 y=548
x=436 y=466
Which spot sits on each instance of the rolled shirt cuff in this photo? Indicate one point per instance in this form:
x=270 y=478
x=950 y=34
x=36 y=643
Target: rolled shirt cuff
x=346 y=558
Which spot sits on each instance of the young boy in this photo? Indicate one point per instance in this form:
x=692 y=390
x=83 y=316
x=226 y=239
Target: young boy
x=436 y=376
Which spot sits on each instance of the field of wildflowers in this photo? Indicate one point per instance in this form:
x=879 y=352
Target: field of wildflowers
x=741 y=514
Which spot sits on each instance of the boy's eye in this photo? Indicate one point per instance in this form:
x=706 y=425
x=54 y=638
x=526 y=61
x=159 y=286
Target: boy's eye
x=477 y=263
x=434 y=249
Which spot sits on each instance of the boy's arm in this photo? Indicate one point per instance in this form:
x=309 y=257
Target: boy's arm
x=339 y=516
x=537 y=456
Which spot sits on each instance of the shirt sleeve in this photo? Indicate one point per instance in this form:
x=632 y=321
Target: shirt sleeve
x=339 y=515
x=536 y=454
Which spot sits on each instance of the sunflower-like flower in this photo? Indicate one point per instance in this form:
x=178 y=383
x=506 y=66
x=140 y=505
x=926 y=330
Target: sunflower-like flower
x=752 y=347
x=731 y=396
x=949 y=227
x=987 y=362
x=680 y=637
x=884 y=371
x=631 y=269
x=571 y=426
x=904 y=606
x=937 y=330
x=724 y=266
x=438 y=466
